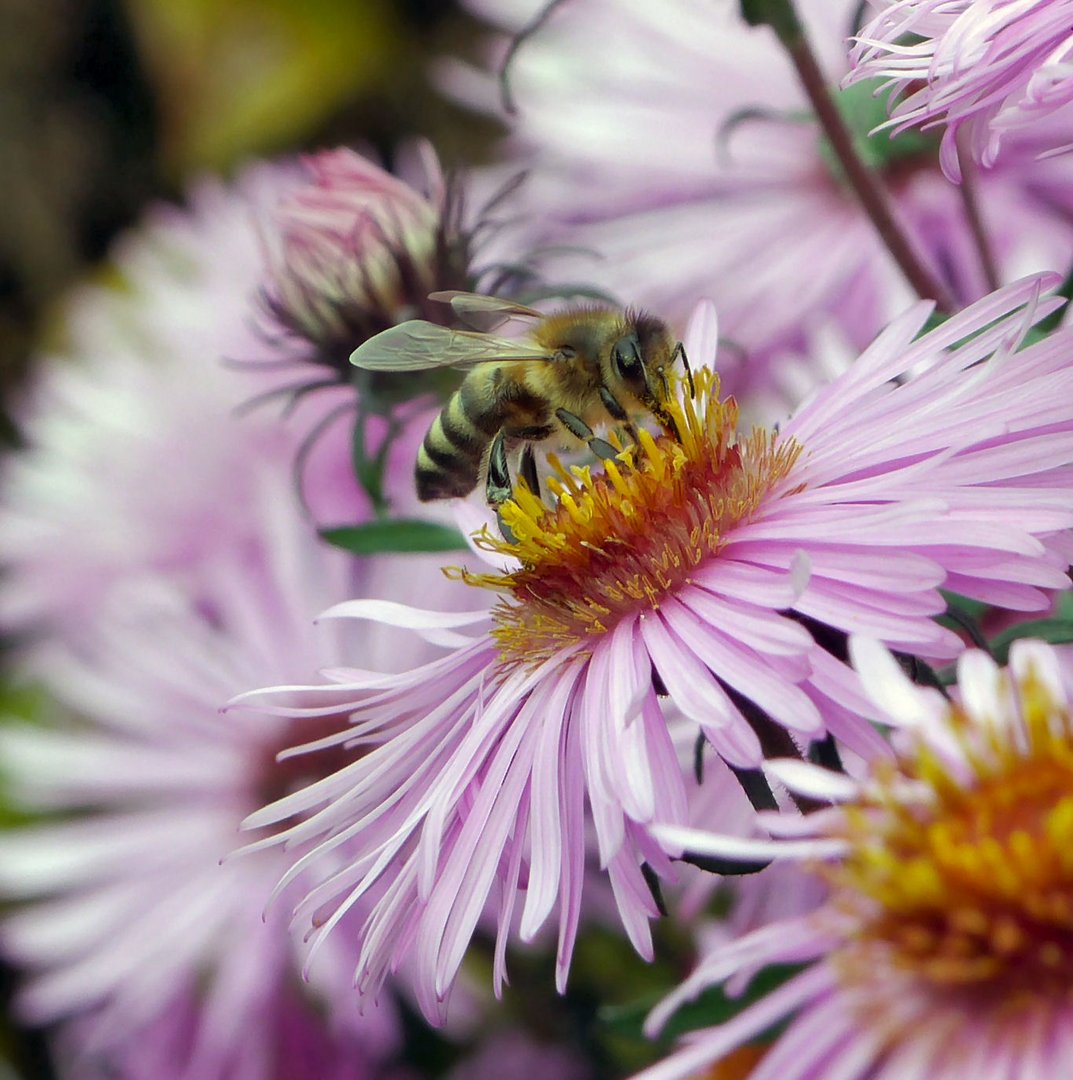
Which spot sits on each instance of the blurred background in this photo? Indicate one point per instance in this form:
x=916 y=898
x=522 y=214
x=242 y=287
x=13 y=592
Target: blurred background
x=106 y=105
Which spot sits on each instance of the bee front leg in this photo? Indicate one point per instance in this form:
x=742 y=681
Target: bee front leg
x=579 y=429
x=680 y=351
x=527 y=470
x=617 y=412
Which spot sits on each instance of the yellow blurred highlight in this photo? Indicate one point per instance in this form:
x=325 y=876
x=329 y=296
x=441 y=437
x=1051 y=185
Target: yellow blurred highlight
x=252 y=76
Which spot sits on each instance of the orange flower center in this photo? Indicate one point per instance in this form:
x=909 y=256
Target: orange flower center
x=617 y=542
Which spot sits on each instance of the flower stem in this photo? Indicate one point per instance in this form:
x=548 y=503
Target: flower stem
x=775 y=742
x=971 y=202
x=782 y=18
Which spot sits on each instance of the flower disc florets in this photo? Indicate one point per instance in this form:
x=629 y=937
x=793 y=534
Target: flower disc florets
x=970 y=884
x=614 y=543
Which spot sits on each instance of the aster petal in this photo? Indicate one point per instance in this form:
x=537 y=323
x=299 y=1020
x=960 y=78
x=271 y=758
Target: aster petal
x=1034 y=659
x=683 y=838
x=740 y=667
x=887 y=685
x=701 y=338
x=808 y=779
x=697 y=692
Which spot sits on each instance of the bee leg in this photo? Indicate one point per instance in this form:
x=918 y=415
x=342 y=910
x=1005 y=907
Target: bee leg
x=527 y=470
x=497 y=487
x=578 y=428
x=614 y=407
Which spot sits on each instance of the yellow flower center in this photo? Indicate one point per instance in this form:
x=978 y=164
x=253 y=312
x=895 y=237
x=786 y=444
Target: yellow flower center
x=972 y=890
x=616 y=542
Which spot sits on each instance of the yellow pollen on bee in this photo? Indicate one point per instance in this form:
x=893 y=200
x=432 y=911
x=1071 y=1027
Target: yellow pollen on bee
x=969 y=886
x=616 y=541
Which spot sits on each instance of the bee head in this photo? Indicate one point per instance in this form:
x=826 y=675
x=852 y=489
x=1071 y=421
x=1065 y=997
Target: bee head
x=642 y=357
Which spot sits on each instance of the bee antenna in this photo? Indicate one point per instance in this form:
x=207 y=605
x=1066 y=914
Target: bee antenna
x=520 y=38
x=680 y=351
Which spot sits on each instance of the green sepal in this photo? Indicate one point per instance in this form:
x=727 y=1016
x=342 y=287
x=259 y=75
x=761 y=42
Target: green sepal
x=863 y=111
x=1055 y=631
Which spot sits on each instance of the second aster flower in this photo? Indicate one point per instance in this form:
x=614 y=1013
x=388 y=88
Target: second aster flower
x=985 y=65
x=945 y=947
x=715 y=572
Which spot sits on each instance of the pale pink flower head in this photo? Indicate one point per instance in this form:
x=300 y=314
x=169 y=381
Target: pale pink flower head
x=710 y=570
x=980 y=68
x=352 y=250
x=140 y=454
x=145 y=955
x=157 y=559
x=945 y=948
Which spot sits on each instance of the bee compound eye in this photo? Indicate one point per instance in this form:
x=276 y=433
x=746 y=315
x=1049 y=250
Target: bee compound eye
x=626 y=356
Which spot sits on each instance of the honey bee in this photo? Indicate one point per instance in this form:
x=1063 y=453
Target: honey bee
x=575 y=370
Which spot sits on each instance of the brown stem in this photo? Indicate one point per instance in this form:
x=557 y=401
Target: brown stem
x=865 y=183
x=781 y=17
x=971 y=201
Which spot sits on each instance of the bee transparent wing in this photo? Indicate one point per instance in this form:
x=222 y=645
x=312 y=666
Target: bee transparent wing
x=468 y=303
x=418 y=345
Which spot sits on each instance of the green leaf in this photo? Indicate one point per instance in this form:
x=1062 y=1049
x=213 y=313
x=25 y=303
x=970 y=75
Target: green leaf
x=401 y=535
x=1054 y=631
x=713 y=1006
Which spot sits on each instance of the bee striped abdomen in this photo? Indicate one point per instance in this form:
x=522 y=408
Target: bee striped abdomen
x=449 y=460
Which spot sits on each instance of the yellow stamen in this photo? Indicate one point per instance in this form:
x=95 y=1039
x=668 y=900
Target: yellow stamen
x=618 y=541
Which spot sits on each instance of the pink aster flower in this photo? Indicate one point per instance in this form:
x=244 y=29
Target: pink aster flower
x=141 y=445
x=988 y=66
x=943 y=949
x=157 y=560
x=151 y=957
x=676 y=184
x=712 y=570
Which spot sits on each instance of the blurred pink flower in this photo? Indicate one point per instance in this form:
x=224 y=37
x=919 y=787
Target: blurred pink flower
x=153 y=958
x=944 y=949
x=989 y=66
x=673 y=145
x=141 y=451
x=512 y=1055
x=157 y=560
x=721 y=569
x=137 y=457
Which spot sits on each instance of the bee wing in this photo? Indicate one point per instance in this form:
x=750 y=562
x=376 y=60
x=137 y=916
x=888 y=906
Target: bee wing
x=417 y=345
x=467 y=303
